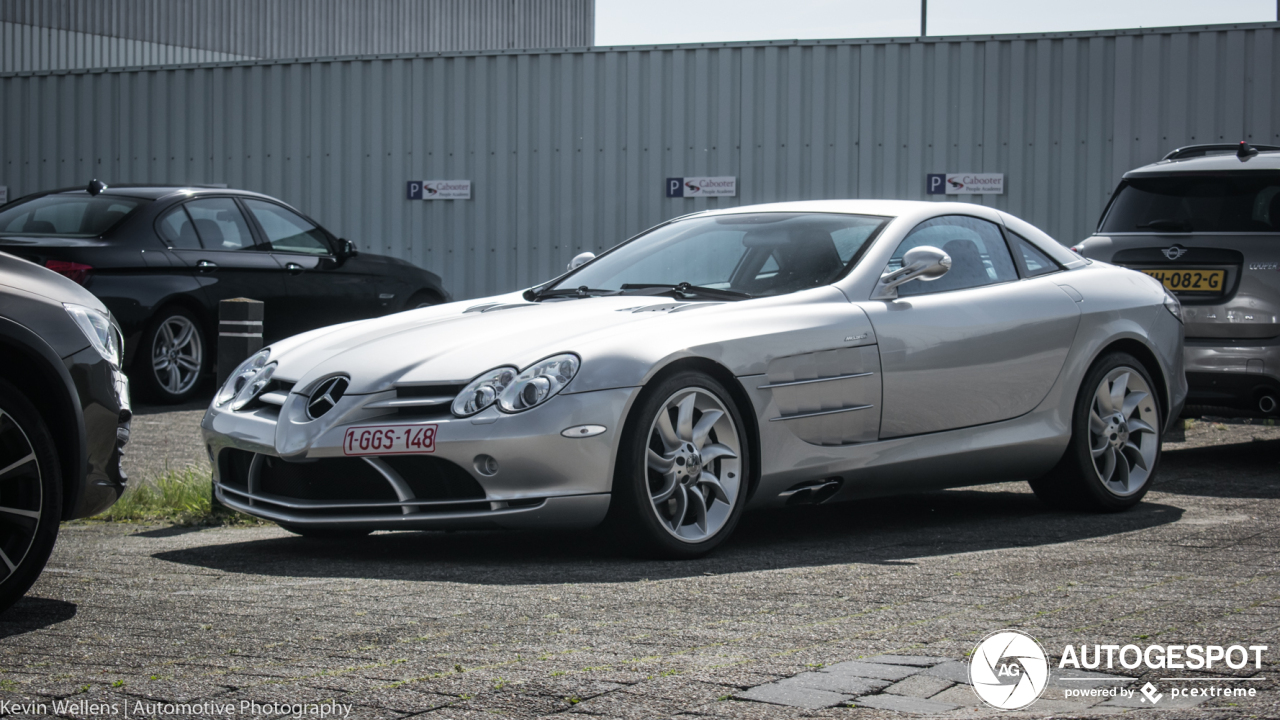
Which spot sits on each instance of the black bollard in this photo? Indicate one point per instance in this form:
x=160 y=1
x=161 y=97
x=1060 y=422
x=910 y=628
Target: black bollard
x=239 y=333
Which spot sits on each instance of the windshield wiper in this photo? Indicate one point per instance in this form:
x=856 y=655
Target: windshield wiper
x=1167 y=224
x=578 y=292
x=683 y=289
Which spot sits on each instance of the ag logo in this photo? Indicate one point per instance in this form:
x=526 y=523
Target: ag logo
x=1175 y=252
x=1008 y=670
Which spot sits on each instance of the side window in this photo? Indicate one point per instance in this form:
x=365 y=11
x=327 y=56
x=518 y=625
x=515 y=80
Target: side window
x=1035 y=261
x=978 y=253
x=288 y=231
x=176 y=229
x=220 y=224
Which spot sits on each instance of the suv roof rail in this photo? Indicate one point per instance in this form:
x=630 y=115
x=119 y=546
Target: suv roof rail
x=1241 y=148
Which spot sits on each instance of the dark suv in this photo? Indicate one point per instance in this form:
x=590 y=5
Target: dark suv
x=161 y=258
x=1205 y=221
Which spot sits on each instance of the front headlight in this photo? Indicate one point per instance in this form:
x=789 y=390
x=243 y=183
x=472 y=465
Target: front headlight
x=246 y=382
x=1173 y=305
x=483 y=391
x=539 y=383
x=98 y=328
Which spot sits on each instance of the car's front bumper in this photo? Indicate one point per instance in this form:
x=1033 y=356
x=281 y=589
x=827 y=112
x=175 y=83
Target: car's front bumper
x=280 y=466
x=1233 y=374
x=103 y=392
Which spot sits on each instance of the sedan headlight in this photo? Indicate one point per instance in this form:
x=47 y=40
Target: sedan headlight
x=483 y=391
x=538 y=383
x=246 y=382
x=98 y=328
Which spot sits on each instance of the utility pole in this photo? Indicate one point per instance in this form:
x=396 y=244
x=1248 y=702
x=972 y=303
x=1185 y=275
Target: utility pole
x=924 y=16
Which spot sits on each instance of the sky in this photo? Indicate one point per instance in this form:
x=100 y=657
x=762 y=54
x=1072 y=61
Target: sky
x=657 y=22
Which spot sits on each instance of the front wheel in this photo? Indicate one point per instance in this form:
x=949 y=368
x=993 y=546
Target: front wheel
x=1115 y=440
x=681 y=478
x=30 y=494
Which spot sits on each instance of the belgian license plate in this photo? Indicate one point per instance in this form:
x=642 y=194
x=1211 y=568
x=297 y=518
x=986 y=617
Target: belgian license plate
x=1191 y=279
x=389 y=440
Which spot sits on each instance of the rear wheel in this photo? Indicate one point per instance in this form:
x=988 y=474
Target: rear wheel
x=681 y=477
x=1115 y=440
x=316 y=533
x=173 y=356
x=30 y=495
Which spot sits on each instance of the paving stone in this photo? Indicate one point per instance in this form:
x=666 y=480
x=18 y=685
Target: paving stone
x=794 y=695
x=900 y=703
x=955 y=671
x=920 y=686
x=838 y=683
x=959 y=694
x=880 y=671
x=916 y=660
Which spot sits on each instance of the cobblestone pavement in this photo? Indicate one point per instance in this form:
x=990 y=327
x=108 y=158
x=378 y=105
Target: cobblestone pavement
x=471 y=625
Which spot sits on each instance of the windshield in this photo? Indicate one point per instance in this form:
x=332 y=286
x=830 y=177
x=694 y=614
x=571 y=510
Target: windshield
x=66 y=215
x=1225 y=202
x=754 y=254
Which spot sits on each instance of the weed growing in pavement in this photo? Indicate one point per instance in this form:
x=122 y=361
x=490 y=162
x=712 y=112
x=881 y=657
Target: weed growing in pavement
x=181 y=497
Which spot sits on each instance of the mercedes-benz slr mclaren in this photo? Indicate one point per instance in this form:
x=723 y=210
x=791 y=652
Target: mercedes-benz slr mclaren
x=744 y=358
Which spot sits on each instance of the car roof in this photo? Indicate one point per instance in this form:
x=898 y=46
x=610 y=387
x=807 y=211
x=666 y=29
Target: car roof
x=886 y=208
x=1220 y=162
x=156 y=192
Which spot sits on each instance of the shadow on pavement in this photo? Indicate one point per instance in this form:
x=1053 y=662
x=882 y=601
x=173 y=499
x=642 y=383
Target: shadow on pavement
x=32 y=613
x=1240 y=470
x=882 y=531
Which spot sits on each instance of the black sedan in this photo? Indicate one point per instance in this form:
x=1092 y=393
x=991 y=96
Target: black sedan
x=64 y=415
x=161 y=258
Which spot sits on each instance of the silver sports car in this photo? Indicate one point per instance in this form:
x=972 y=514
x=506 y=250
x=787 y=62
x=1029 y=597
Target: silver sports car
x=753 y=357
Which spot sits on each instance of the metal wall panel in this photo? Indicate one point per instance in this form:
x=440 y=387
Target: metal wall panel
x=568 y=151
x=63 y=34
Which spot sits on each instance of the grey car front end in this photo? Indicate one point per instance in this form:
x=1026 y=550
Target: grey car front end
x=807 y=352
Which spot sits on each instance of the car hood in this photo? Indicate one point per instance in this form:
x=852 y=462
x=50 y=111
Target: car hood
x=453 y=343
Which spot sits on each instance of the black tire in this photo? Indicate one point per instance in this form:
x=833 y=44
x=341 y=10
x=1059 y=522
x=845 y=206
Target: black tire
x=31 y=483
x=633 y=518
x=315 y=533
x=158 y=385
x=421 y=299
x=1076 y=483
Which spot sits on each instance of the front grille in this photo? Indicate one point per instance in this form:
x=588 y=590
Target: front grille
x=332 y=487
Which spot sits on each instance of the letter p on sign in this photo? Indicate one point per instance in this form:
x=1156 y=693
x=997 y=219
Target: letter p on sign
x=936 y=184
x=415 y=189
x=675 y=187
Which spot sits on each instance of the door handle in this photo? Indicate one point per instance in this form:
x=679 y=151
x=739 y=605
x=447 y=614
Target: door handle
x=294 y=268
x=206 y=265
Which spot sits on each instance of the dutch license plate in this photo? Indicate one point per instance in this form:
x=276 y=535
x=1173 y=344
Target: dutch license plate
x=389 y=440
x=1191 y=279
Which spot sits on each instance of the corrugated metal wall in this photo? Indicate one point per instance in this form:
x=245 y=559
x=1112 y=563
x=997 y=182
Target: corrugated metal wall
x=63 y=34
x=569 y=150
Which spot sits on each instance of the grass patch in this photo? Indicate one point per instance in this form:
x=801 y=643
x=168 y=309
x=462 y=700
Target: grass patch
x=179 y=497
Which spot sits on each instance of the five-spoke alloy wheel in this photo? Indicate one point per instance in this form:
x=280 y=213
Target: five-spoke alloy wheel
x=1115 y=440
x=175 y=357
x=683 y=469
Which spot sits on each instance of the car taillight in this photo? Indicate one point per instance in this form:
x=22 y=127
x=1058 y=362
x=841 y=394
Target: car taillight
x=78 y=272
x=1077 y=249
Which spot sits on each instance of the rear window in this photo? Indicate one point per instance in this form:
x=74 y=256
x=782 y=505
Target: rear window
x=67 y=215
x=1224 y=203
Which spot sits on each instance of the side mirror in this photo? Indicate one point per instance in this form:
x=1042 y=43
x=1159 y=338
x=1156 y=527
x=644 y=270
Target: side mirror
x=581 y=259
x=346 y=248
x=922 y=263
